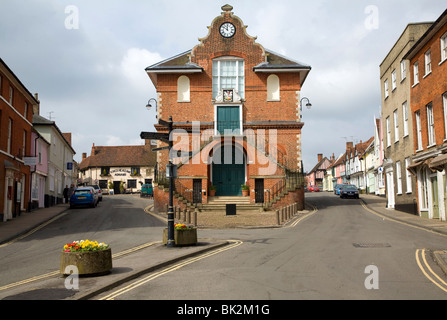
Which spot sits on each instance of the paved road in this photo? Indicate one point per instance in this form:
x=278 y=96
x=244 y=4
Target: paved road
x=329 y=255
x=118 y=220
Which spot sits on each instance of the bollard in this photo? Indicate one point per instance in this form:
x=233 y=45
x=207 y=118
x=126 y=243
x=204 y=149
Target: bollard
x=188 y=218
x=184 y=215
x=282 y=214
x=278 y=220
x=194 y=218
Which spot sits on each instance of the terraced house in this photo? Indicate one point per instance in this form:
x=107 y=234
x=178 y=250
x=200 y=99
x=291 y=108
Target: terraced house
x=243 y=103
x=398 y=127
x=16 y=116
x=428 y=67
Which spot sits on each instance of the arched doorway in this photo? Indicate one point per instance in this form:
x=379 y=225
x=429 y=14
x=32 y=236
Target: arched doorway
x=228 y=171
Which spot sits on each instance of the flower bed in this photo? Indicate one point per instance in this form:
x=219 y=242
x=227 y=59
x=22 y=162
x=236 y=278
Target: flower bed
x=85 y=245
x=89 y=257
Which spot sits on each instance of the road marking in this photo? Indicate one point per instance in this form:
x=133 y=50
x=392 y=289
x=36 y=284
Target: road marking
x=55 y=273
x=33 y=230
x=438 y=281
x=295 y=223
x=398 y=221
x=136 y=284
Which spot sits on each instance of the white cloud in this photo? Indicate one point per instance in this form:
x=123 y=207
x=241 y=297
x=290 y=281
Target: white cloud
x=133 y=64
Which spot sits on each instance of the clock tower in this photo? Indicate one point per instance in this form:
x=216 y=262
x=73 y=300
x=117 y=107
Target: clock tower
x=239 y=93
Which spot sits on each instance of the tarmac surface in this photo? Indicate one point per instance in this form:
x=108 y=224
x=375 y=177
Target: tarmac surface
x=133 y=264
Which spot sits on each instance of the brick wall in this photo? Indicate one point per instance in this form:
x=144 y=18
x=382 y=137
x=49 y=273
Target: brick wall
x=430 y=89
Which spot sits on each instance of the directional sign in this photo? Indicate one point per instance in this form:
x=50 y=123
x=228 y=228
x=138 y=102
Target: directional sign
x=161 y=149
x=181 y=154
x=164 y=123
x=155 y=136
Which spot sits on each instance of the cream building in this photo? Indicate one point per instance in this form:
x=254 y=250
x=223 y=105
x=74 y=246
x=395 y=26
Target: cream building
x=397 y=124
x=118 y=169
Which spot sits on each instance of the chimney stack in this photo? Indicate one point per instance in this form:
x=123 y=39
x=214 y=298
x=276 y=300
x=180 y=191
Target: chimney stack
x=320 y=157
x=84 y=156
x=349 y=145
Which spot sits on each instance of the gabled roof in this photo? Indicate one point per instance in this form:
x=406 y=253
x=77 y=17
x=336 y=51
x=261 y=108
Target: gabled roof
x=38 y=120
x=119 y=156
x=181 y=63
x=319 y=164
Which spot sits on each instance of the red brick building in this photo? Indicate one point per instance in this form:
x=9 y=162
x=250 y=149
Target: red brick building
x=243 y=103
x=428 y=61
x=16 y=116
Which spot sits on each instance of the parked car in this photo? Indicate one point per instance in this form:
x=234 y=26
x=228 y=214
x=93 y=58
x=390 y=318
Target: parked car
x=84 y=196
x=147 y=190
x=338 y=188
x=349 y=191
x=314 y=189
x=98 y=191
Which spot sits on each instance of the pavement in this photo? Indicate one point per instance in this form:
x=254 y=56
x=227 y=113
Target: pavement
x=151 y=257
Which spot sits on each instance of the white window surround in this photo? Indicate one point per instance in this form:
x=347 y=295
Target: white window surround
x=427 y=63
x=430 y=126
x=387 y=93
x=403 y=70
x=393 y=80
x=234 y=80
x=388 y=132
x=408 y=176
x=399 y=177
x=443 y=48
x=416 y=73
x=396 y=126
x=405 y=117
x=418 y=130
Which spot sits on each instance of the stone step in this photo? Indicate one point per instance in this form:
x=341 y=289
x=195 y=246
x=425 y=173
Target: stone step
x=241 y=207
x=228 y=199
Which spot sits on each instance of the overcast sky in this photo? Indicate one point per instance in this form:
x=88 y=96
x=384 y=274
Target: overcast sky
x=86 y=58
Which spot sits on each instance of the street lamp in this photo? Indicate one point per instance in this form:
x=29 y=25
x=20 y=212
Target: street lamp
x=149 y=105
x=308 y=105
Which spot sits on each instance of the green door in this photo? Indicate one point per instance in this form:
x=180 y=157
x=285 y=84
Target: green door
x=229 y=177
x=228 y=121
x=434 y=188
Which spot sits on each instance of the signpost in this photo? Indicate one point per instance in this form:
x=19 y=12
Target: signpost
x=169 y=168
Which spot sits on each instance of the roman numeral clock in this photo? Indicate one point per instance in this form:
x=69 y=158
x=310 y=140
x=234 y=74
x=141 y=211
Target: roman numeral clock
x=227 y=30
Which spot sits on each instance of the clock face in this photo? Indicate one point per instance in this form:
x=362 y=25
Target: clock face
x=227 y=30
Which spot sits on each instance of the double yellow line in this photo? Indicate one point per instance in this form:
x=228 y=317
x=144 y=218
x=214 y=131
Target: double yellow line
x=428 y=272
x=55 y=273
x=136 y=284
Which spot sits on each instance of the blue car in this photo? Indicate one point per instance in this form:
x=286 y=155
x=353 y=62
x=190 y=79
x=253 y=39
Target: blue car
x=84 y=196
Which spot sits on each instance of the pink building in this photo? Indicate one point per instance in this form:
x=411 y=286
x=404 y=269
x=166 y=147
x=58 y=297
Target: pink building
x=316 y=175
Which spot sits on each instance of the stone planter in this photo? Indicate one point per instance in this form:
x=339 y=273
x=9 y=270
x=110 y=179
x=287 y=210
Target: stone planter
x=88 y=263
x=182 y=237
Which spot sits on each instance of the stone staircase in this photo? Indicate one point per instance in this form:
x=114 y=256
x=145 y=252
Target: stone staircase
x=218 y=204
